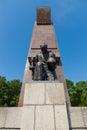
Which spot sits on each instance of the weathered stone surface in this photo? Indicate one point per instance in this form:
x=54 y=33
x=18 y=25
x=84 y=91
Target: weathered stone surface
x=43 y=16
x=84 y=115
x=44 y=119
x=34 y=93
x=43 y=34
x=9 y=129
x=10 y=117
x=55 y=93
x=13 y=118
x=44 y=93
x=27 y=118
x=61 y=118
x=79 y=129
x=76 y=117
x=3 y=114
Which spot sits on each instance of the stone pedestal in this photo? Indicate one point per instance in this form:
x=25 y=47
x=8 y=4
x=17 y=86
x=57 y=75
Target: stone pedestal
x=44 y=107
x=43 y=31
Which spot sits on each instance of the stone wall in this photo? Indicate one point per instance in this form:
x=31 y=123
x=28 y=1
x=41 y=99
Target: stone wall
x=9 y=129
x=78 y=117
x=44 y=108
x=10 y=117
x=79 y=129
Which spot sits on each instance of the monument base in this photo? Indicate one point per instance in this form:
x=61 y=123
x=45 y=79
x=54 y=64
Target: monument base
x=44 y=108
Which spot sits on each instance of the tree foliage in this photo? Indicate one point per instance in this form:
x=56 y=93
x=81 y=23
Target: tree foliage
x=9 y=92
x=77 y=92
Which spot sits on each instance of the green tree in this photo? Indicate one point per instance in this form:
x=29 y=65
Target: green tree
x=77 y=93
x=9 y=92
x=81 y=89
x=70 y=86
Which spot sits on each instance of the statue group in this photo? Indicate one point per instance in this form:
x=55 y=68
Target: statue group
x=43 y=65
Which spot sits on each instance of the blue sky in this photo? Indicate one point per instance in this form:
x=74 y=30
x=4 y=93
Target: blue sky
x=16 y=23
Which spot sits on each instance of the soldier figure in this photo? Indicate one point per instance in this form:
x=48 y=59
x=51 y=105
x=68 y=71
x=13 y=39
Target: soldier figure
x=45 y=65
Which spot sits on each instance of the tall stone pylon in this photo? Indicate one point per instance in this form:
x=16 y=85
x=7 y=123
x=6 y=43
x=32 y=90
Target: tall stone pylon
x=45 y=104
x=43 y=32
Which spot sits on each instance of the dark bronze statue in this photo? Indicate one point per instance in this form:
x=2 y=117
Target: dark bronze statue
x=43 y=65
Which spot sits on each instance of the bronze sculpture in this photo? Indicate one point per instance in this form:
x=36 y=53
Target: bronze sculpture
x=43 y=65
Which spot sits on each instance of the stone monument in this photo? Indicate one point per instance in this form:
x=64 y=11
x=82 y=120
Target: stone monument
x=43 y=32
x=44 y=102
